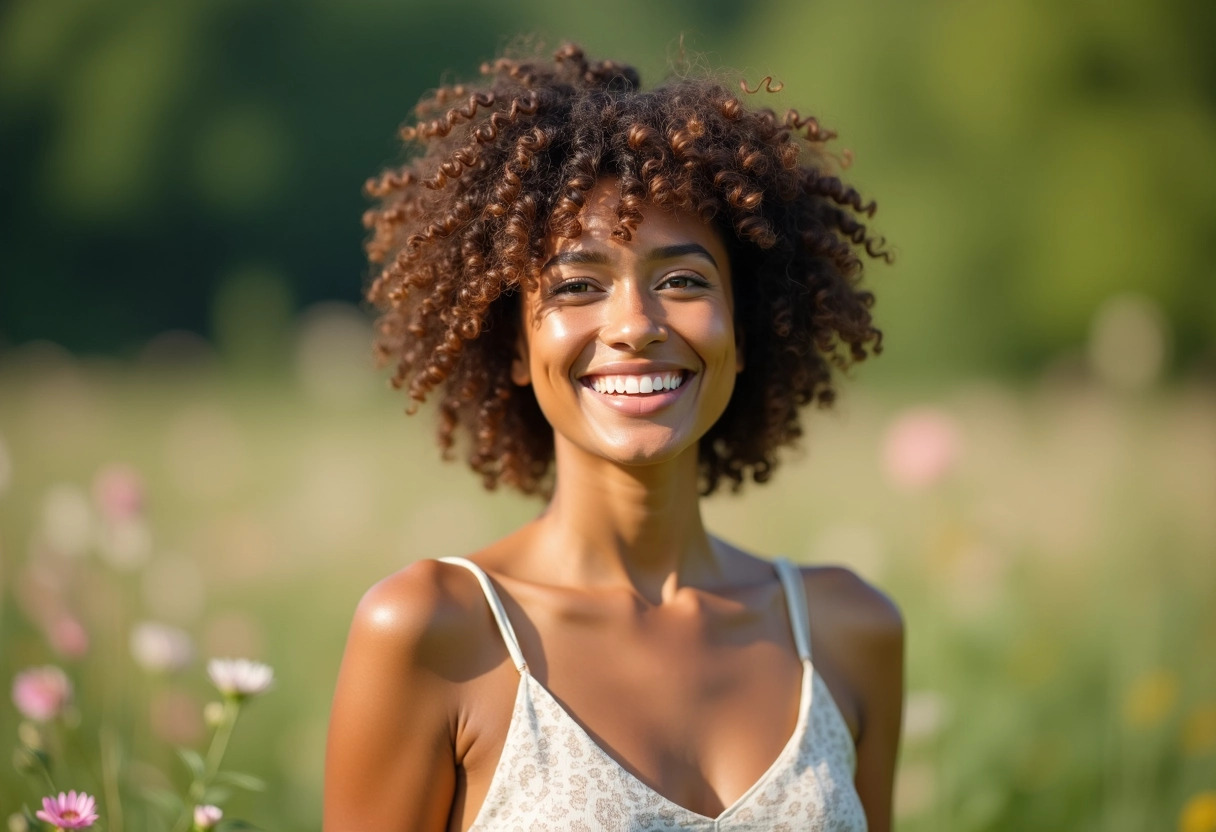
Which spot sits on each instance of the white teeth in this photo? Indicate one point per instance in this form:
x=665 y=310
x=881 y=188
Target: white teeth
x=633 y=385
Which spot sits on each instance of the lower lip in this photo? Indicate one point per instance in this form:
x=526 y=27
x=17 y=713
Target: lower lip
x=639 y=404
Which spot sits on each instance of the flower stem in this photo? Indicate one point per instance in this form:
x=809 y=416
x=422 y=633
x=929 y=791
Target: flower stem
x=211 y=767
x=50 y=783
x=110 y=762
x=219 y=743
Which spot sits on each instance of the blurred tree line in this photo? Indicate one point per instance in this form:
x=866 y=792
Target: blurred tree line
x=197 y=164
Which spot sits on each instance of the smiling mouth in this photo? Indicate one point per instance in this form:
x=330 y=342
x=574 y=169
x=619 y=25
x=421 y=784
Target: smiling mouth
x=637 y=384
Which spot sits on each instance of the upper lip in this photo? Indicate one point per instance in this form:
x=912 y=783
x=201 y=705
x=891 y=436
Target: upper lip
x=634 y=368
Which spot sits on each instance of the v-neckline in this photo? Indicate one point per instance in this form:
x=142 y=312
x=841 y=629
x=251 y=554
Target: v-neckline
x=795 y=599
x=805 y=697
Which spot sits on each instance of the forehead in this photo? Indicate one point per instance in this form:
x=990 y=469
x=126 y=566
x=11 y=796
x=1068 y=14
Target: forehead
x=660 y=227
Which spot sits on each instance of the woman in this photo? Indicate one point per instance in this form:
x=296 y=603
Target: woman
x=621 y=299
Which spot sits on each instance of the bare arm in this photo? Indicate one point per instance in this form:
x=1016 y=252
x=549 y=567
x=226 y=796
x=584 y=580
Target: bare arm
x=867 y=641
x=389 y=764
x=882 y=715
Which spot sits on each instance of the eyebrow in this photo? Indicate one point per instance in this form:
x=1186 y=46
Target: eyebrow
x=597 y=258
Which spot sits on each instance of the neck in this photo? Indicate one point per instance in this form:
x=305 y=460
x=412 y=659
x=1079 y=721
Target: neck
x=609 y=523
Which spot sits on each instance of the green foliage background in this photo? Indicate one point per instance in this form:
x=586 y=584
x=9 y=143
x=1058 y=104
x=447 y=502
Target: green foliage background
x=180 y=203
x=1029 y=158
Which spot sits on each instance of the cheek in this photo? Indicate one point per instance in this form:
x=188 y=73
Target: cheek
x=555 y=342
x=712 y=333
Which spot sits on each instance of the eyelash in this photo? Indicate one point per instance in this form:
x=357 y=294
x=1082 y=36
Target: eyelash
x=694 y=280
x=568 y=287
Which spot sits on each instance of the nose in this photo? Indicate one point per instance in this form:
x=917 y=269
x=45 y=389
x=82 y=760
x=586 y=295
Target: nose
x=632 y=319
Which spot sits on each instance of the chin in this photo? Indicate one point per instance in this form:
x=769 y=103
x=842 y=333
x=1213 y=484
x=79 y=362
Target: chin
x=645 y=454
x=643 y=459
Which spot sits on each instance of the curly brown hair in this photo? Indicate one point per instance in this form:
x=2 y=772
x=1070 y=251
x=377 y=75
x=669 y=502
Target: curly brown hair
x=460 y=229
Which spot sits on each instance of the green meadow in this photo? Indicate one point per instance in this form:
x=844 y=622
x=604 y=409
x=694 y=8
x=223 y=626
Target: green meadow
x=198 y=459
x=1052 y=555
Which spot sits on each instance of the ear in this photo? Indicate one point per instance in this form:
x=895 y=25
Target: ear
x=521 y=373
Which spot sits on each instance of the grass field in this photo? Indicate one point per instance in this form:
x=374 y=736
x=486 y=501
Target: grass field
x=1054 y=555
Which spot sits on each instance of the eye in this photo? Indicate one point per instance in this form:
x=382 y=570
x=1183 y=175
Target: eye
x=573 y=287
x=684 y=280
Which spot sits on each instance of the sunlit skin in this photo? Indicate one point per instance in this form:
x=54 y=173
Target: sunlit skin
x=605 y=307
x=670 y=646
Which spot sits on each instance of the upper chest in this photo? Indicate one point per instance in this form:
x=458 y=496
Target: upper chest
x=696 y=701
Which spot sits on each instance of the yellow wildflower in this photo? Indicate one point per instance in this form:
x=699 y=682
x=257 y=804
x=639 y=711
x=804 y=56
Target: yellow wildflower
x=1150 y=698
x=1199 y=814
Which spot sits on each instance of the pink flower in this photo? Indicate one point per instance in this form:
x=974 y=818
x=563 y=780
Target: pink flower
x=119 y=492
x=41 y=693
x=68 y=811
x=206 y=817
x=240 y=678
x=921 y=447
x=68 y=636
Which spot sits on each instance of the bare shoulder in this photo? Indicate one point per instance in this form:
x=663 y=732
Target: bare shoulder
x=857 y=638
x=414 y=637
x=847 y=613
x=852 y=608
x=420 y=613
x=390 y=759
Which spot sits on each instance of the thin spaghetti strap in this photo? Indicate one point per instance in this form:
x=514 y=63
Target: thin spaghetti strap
x=795 y=602
x=496 y=607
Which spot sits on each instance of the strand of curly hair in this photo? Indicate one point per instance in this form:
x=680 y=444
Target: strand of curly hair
x=458 y=232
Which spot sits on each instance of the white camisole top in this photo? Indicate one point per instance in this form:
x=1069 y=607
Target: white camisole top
x=553 y=776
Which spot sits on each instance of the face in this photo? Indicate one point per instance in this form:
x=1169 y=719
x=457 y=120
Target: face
x=630 y=347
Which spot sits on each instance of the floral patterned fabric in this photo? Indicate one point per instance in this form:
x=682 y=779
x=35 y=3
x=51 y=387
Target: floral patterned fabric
x=553 y=776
